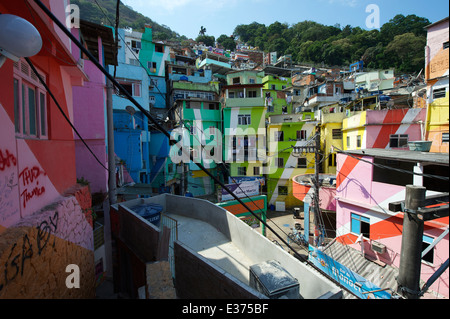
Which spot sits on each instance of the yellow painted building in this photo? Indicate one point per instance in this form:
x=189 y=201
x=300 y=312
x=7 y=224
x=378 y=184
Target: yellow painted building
x=437 y=77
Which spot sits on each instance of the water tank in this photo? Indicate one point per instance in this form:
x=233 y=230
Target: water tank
x=150 y=212
x=272 y=280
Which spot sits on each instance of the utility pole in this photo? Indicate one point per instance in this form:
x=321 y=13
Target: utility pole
x=111 y=152
x=411 y=251
x=317 y=185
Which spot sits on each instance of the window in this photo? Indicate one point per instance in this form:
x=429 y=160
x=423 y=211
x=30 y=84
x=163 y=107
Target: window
x=439 y=93
x=236 y=81
x=135 y=45
x=348 y=141
x=133 y=88
x=244 y=119
x=398 y=140
x=251 y=94
x=360 y=225
x=444 y=137
x=256 y=171
x=358 y=141
x=280 y=162
x=231 y=95
x=279 y=136
x=429 y=256
x=301 y=135
x=337 y=134
x=332 y=160
x=301 y=162
x=152 y=100
x=30 y=102
x=159 y=48
x=273 y=87
x=282 y=190
x=152 y=66
x=252 y=80
x=242 y=171
x=213 y=106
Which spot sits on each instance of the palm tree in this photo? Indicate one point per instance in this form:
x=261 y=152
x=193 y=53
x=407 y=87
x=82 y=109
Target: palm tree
x=202 y=30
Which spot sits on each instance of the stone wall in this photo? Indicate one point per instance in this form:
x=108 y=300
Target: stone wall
x=36 y=252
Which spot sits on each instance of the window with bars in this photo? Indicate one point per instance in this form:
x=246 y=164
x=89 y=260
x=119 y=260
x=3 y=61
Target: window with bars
x=337 y=134
x=30 y=102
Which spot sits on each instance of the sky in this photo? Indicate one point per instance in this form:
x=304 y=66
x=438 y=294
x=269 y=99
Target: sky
x=222 y=16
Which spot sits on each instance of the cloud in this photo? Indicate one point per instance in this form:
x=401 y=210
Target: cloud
x=347 y=3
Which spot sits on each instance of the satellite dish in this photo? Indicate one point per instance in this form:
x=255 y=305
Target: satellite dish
x=130 y=110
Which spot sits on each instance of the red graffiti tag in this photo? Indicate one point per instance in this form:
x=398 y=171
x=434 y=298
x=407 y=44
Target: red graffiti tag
x=6 y=160
x=27 y=196
x=29 y=175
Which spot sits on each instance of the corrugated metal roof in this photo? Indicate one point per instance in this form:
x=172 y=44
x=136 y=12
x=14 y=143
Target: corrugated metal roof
x=382 y=276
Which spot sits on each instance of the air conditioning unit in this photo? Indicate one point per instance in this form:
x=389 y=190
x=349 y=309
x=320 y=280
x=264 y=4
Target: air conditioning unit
x=378 y=247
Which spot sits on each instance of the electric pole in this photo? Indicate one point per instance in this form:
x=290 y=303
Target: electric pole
x=411 y=251
x=317 y=185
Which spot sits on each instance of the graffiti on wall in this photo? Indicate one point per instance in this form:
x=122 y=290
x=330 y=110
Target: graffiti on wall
x=8 y=185
x=25 y=249
x=30 y=183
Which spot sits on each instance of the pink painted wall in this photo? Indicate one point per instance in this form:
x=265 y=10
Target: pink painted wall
x=357 y=193
x=382 y=123
x=89 y=119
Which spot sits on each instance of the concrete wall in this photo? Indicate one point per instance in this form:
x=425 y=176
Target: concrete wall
x=192 y=269
x=35 y=252
x=258 y=248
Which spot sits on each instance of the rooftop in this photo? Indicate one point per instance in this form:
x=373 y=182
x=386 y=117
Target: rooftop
x=220 y=239
x=404 y=155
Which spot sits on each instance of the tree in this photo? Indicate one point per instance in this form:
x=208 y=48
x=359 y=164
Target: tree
x=406 y=52
x=227 y=42
x=208 y=40
x=202 y=31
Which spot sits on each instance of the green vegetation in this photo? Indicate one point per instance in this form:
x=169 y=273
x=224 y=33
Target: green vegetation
x=398 y=44
x=105 y=13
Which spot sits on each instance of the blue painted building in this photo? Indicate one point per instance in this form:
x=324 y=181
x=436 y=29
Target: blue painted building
x=141 y=71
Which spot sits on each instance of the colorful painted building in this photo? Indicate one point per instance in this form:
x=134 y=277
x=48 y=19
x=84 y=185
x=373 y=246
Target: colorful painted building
x=383 y=128
x=363 y=194
x=244 y=128
x=437 y=77
x=90 y=102
x=203 y=121
x=141 y=71
x=276 y=99
x=331 y=136
x=285 y=134
x=45 y=220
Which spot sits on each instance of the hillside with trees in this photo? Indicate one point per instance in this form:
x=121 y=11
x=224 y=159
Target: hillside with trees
x=104 y=12
x=399 y=43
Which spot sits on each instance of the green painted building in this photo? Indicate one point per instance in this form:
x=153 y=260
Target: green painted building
x=276 y=97
x=283 y=134
x=244 y=118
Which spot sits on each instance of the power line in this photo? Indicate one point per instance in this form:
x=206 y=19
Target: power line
x=148 y=115
x=62 y=112
x=393 y=168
